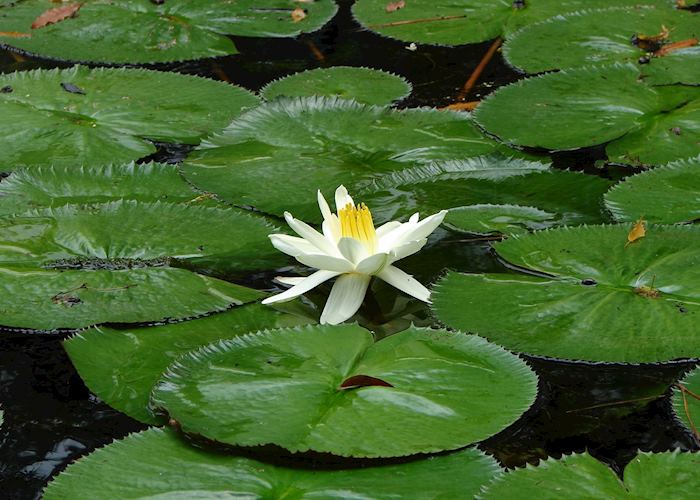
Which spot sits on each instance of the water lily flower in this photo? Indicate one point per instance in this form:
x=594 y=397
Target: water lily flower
x=354 y=251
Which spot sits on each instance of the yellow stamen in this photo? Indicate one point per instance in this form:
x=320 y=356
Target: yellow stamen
x=356 y=222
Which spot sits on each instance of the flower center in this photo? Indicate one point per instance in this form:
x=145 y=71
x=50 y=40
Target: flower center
x=356 y=222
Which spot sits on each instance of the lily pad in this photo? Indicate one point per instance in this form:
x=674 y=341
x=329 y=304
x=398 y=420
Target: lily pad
x=122 y=365
x=594 y=297
x=595 y=36
x=332 y=389
x=648 y=475
x=364 y=85
x=111 y=120
x=142 y=31
x=45 y=187
x=155 y=459
x=681 y=66
x=503 y=219
x=583 y=107
x=60 y=299
x=444 y=22
x=666 y=195
x=686 y=401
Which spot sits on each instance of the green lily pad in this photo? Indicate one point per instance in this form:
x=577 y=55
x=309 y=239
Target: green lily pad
x=503 y=219
x=681 y=66
x=155 y=459
x=313 y=143
x=666 y=195
x=332 y=389
x=49 y=300
x=141 y=31
x=686 y=401
x=129 y=233
x=444 y=22
x=592 y=106
x=594 y=298
x=44 y=187
x=446 y=185
x=649 y=475
x=109 y=122
x=364 y=85
x=594 y=37
x=121 y=366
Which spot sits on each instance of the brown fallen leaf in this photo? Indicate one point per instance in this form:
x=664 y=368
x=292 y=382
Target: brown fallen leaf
x=462 y=106
x=672 y=47
x=298 y=14
x=15 y=34
x=363 y=381
x=394 y=6
x=56 y=15
x=637 y=232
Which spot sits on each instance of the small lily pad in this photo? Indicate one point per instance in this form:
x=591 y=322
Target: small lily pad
x=145 y=31
x=665 y=195
x=159 y=464
x=285 y=387
x=122 y=365
x=591 y=295
x=111 y=122
x=364 y=85
x=648 y=475
x=503 y=219
x=686 y=401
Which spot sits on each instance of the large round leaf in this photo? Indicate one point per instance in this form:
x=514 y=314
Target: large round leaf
x=591 y=106
x=594 y=37
x=667 y=195
x=595 y=297
x=127 y=230
x=681 y=66
x=305 y=144
x=41 y=187
x=48 y=300
x=121 y=366
x=144 y=31
x=81 y=116
x=686 y=401
x=503 y=219
x=368 y=86
x=332 y=389
x=159 y=465
x=445 y=22
x=649 y=475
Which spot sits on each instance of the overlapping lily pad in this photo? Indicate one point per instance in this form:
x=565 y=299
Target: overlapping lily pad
x=364 y=85
x=121 y=366
x=503 y=219
x=332 y=389
x=594 y=296
x=686 y=401
x=45 y=187
x=142 y=31
x=681 y=66
x=649 y=475
x=469 y=21
x=155 y=459
x=666 y=195
x=583 y=107
x=79 y=116
x=597 y=36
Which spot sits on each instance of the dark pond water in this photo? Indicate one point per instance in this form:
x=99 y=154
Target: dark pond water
x=51 y=418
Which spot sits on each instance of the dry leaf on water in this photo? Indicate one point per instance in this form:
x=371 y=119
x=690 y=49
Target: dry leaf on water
x=637 y=232
x=394 y=6
x=298 y=14
x=56 y=15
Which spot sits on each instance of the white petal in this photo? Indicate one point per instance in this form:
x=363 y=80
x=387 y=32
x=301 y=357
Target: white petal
x=342 y=198
x=291 y=245
x=288 y=280
x=407 y=249
x=387 y=228
x=352 y=249
x=307 y=284
x=425 y=227
x=345 y=299
x=327 y=262
x=311 y=235
x=331 y=229
x=404 y=282
x=323 y=205
x=372 y=264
